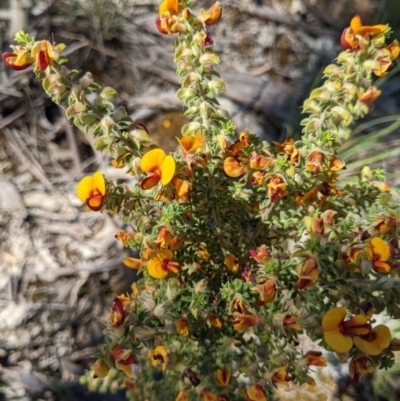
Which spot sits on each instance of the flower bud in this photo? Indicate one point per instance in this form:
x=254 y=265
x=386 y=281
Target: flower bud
x=107 y=124
x=172 y=289
x=86 y=80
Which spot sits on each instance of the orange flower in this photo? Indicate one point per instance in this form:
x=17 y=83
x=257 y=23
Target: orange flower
x=170 y=7
x=385 y=58
x=132 y=263
x=124 y=237
x=19 y=59
x=207 y=395
x=191 y=144
x=315 y=358
x=277 y=188
x=181 y=327
x=315 y=162
x=386 y=223
x=160 y=167
x=337 y=331
x=160 y=262
x=290 y=321
x=238 y=306
x=233 y=167
x=349 y=39
x=281 y=376
x=212 y=15
x=182 y=188
x=231 y=263
x=224 y=376
x=360 y=366
x=215 y=321
x=243 y=322
x=182 y=396
x=352 y=259
x=379 y=252
x=167 y=22
x=159 y=356
x=308 y=273
x=91 y=190
x=100 y=369
x=164 y=238
x=258 y=162
x=370 y=95
x=233 y=164
x=256 y=393
x=267 y=292
x=125 y=361
x=43 y=53
x=374 y=342
x=260 y=255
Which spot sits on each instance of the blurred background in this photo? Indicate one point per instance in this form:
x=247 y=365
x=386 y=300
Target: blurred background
x=60 y=265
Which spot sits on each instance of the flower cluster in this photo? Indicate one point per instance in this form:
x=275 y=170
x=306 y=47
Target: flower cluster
x=241 y=245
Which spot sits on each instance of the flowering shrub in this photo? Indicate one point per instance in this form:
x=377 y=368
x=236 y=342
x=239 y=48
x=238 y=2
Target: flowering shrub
x=242 y=245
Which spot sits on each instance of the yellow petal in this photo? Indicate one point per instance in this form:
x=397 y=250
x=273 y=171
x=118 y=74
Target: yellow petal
x=152 y=160
x=380 y=339
x=333 y=318
x=381 y=248
x=84 y=188
x=170 y=6
x=133 y=263
x=99 y=183
x=232 y=167
x=167 y=169
x=338 y=341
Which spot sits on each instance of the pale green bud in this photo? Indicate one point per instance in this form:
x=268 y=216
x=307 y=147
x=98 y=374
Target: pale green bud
x=107 y=124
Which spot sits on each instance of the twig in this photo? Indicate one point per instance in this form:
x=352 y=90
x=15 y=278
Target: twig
x=26 y=157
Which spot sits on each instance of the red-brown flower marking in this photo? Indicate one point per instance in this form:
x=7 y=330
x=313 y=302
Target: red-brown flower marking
x=351 y=36
x=91 y=190
x=125 y=361
x=117 y=313
x=338 y=331
x=159 y=166
x=379 y=252
x=42 y=51
x=192 y=376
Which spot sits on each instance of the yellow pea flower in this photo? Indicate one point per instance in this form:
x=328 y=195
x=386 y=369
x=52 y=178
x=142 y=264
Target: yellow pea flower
x=91 y=190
